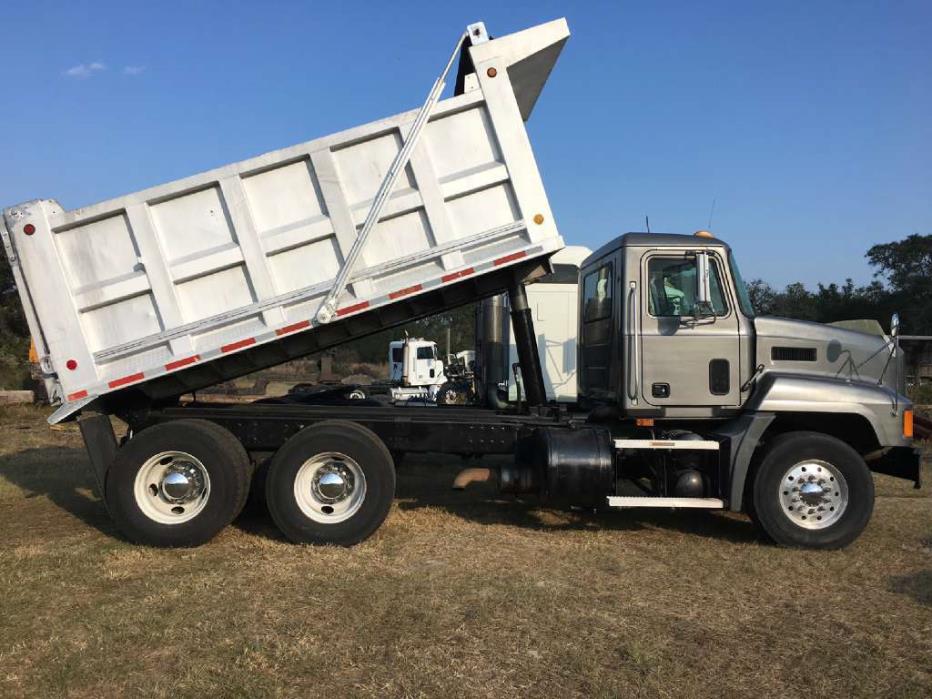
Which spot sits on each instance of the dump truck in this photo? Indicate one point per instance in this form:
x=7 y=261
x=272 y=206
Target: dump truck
x=685 y=398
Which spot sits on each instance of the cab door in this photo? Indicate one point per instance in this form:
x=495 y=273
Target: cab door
x=599 y=368
x=689 y=354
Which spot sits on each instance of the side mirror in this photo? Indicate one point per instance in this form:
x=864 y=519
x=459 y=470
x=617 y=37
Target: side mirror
x=895 y=325
x=703 y=305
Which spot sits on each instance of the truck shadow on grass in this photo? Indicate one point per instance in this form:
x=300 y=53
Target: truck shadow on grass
x=424 y=483
x=917 y=585
x=63 y=475
x=483 y=504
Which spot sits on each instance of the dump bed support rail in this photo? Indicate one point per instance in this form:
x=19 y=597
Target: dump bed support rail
x=328 y=308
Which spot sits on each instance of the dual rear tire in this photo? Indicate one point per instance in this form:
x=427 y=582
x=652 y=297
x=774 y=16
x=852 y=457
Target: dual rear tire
x=332 y=483
x=180 y=483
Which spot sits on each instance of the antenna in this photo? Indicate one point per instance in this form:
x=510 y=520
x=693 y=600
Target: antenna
x=711 y=214
x=647 y=222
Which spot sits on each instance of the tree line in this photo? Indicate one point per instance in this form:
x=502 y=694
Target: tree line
x=902 y=284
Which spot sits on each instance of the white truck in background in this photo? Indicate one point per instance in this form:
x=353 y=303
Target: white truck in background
x=415 y=369
x=417 y=372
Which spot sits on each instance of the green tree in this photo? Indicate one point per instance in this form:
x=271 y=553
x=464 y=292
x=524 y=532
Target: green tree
x=14 y=334
x=906 y=266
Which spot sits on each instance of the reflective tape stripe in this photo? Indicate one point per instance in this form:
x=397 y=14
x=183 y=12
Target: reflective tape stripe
x=510 y=258
x=353 y=308
x=457 y=275
x=404 y=292
x=233 y=346
x=78 y=395
x=178 y=363
x=132 y=378
x=293 y=328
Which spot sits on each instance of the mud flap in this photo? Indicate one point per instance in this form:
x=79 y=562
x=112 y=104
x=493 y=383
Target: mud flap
x=101 y=445
x=900 y=462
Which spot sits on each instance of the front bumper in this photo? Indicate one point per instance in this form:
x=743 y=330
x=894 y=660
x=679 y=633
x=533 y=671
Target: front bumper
x=899 y=462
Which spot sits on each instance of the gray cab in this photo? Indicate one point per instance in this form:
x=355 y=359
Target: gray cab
x=657 y=338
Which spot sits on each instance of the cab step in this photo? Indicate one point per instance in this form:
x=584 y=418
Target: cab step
x=679 y=444
x=646 y=501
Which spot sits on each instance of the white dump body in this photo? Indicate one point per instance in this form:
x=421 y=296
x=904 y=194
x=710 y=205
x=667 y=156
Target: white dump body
x=158 y=281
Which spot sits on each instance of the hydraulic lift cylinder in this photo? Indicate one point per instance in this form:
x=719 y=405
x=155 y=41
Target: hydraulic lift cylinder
x=526 y=342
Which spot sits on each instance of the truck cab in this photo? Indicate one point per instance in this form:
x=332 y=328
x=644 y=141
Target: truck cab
x=651 y=343
x=669 y=343
x=667 y=330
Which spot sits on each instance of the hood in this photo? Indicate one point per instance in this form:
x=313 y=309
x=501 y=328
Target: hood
x=804 y=347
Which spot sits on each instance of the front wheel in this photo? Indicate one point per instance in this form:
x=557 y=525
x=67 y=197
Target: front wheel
x=812 y=490
x=332 y=483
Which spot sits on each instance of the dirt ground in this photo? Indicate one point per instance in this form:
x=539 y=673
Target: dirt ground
x=459 y=594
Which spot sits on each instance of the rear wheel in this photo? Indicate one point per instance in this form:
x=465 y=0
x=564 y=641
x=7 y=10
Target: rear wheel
x=332 y=483
x=812 y=490
x=178 y=483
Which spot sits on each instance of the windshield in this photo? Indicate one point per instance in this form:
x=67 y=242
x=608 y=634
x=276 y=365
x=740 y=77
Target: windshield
x=744 y=299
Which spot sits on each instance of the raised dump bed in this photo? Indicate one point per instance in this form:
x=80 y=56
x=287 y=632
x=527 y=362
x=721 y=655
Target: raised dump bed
x=174 y=288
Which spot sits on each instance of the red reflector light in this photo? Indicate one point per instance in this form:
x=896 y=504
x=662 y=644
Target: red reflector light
x=29 y=229
x=71 y=364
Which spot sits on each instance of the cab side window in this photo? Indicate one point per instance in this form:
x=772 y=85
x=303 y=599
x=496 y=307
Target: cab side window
x=672 y=287
x=597 y=294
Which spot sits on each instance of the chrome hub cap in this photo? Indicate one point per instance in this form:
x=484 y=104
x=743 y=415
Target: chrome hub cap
x=813 y=494
x=172 y=487
x=182 y=483
x=332 y=482
x=330 y=487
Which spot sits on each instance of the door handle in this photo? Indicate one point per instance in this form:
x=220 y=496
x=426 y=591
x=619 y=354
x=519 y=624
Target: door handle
x=633 y=359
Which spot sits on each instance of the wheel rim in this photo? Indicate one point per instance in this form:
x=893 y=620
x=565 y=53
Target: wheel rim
x=330 y=487
x=172 y=487
x=813 y=494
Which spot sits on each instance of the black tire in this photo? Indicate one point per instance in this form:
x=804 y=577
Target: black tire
x=224 y=460
x=370 y=455
x=767 y=509
x=452 y=393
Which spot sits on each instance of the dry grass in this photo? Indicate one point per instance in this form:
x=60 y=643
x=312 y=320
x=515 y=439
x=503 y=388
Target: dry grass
x=457 y=595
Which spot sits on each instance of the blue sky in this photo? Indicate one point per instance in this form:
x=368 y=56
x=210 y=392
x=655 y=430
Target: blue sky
x=808 y=123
